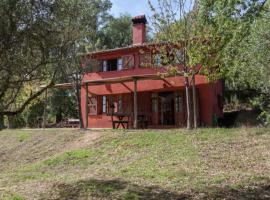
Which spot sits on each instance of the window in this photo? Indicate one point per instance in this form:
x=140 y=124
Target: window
x=112 y=65
x=154 y=103
x=111 y=105
x=145 y=60
x=128 y=61
x=120 y=104
x=119 y=64
x=92 y=105
x=104 y=65
x=179 y=57
x=157 y=60
x=104 y=104
x=178 y=103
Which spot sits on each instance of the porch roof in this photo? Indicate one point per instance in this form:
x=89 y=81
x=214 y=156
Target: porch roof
x=113 y=80
x=124 y=79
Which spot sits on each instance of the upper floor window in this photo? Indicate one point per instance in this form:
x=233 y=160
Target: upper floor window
x=157 y=60
x=112 y=65
x=119 y=64
x=145 y=60
x=179 y=57
x=104 y=66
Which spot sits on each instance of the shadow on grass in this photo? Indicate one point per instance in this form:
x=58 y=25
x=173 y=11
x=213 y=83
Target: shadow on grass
x=117 y=189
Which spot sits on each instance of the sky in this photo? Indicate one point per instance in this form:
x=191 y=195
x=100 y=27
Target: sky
x=136 y=7
x=132 y=7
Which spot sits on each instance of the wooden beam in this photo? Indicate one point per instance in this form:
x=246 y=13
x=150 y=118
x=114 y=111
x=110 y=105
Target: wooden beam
x=86 y=106
x=135 y=124
x=125 y=79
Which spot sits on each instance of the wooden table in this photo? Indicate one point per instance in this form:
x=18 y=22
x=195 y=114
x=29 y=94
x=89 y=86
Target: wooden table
x=120 y=120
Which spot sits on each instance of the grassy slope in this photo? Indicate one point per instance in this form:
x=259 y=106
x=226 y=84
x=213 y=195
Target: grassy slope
x=168 y=164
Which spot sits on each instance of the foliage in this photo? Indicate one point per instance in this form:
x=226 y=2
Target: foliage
x=62 y=104
x=37 y=40
x=23 y=136
x=250 y=70
x=17 y=121
x=211 y=35
x=117 y=32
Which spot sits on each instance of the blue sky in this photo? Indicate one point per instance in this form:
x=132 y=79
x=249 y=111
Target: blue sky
x=136 y=7
x=132 y=7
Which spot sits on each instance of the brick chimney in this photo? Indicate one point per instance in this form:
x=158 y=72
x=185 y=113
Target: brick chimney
x=139 y=29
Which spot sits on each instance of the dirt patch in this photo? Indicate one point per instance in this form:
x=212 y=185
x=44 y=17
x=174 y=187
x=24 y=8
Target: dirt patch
x=87 y=139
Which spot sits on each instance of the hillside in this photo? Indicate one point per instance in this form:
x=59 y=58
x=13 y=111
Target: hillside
x=146 y=164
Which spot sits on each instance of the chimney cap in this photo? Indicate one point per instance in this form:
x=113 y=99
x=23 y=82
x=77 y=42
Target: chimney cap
x=141 y=19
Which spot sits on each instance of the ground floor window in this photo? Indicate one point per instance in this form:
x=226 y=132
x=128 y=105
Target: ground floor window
x=154 y=103
x=120 y=104
x=178 y=103
x=104 y=104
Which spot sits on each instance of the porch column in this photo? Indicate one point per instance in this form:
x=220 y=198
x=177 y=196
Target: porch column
x=86 y=105
x=135 y=124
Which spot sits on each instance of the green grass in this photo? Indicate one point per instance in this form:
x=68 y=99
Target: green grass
x=74 y=157
x=11 y=197
x=149 y=164
x=23 y=136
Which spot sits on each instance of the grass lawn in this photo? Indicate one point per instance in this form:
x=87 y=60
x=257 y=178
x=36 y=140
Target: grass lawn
x=146 y=164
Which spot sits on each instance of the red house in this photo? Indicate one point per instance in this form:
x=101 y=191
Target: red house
x=123 y=85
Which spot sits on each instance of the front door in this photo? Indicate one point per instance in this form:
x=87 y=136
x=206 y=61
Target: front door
x=166 y=108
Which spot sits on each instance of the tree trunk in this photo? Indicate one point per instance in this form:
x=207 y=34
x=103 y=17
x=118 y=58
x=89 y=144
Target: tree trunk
x=44 y=123
x=10 y=122
x=78 y=99
x=59 y=116
x=188 y=103
x=195 y=119
x=2 y=122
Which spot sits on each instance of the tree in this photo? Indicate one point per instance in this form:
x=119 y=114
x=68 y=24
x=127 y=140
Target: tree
x=208 y=32
x=117 y=32
x=250 y=69
x=83 y=23
x=175 y=22
x=39 y=42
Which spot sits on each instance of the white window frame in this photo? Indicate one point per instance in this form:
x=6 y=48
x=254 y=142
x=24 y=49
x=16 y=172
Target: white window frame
x=104 y=66
x=119 y=64
x=104 y=104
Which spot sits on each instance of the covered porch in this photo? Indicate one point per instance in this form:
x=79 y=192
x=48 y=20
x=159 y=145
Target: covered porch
x=162 y=107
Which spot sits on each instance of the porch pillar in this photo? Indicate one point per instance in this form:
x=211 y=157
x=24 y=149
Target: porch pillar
x=86 y=106
x=135 y=124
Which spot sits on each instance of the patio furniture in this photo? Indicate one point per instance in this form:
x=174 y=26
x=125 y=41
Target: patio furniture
x=122 y=120
x=142 y=121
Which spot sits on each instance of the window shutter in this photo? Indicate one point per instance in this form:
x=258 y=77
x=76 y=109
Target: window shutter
x=128 y=61
x=93 y=65
x=92 y=105
x=145 y=60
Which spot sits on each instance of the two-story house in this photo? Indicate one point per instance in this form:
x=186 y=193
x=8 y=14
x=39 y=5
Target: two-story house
x=126 y=81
